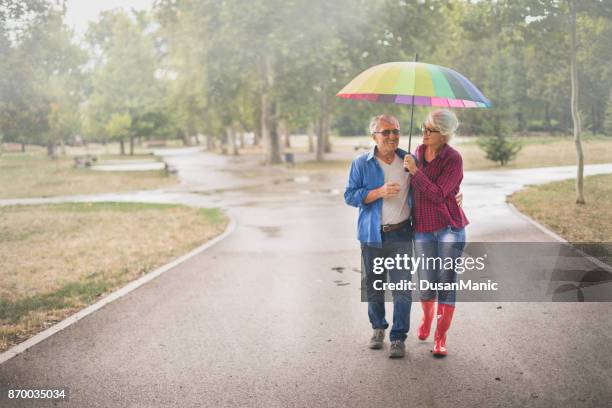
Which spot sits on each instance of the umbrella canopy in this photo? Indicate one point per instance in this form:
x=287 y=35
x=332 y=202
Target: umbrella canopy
x=415 y=83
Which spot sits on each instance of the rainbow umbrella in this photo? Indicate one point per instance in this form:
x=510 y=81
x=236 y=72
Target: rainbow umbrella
x=415 y=83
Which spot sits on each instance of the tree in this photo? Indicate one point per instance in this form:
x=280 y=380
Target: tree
x=39 y=71
x=499 y=148
x=118 y=128
x=124 y=82
x=563 y=15
x=185 y=65
x=574 y=104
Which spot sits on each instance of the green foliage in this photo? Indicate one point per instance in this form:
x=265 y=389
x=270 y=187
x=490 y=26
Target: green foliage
x=500 y=148
x=118 y=126
x=127 y=99
x=194 y=67
x=39 y=74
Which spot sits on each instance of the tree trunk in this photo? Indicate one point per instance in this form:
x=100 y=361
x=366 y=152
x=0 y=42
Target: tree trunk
x=311 y=128
x=185 y=138
x=191 y=134
x=274 y=155
x=323 y=132
x=50 y=149
x=328 y=146
x=122 y=146
x=594 y=120
x=131 y=145
x=321 y=124
x=63 y=147
x=320 y=156
x=269 y=131
x=547 y=122
x=210 y=143
x=520 y=120
x=224 y=142
x=257 y=135
x=285 y=133
x=575 y=113
x=23 y=148
x=232 y=148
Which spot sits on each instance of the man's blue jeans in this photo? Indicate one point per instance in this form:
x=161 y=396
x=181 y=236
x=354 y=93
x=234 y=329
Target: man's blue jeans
x=438 y=246
x=398 y=242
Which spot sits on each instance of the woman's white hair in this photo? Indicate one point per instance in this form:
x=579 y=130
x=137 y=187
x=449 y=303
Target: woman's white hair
x=444 y=121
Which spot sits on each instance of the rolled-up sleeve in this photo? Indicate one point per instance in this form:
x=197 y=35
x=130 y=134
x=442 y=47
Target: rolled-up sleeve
x=356 y=192
x=448 y=181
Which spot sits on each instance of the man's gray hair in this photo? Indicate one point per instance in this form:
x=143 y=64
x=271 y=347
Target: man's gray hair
x=390 y=119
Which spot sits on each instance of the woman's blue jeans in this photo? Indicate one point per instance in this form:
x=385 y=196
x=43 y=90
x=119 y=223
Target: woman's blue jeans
x=394 y=243
x=439 y=246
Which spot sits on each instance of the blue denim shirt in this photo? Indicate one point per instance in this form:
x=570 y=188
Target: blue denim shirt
x=366 y=175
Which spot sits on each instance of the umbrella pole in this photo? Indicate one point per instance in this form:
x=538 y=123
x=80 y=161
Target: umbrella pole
x=411 y=118
x=416 y=58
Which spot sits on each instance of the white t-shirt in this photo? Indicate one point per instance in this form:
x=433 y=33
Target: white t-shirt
x=395 y=209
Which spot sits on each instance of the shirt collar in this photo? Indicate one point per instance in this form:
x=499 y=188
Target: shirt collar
x=372 y=153
x=443 y=150
x=442 y=153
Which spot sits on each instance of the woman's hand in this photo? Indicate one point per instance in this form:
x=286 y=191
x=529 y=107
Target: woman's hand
x=410 y=164
x=459 y=199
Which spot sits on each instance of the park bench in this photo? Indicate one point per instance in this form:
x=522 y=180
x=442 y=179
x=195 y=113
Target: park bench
x=170 y=169
x=156 y=143
x=84 y=161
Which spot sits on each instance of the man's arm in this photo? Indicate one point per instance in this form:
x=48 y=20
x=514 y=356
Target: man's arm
x=355 y=191
x=387 y=190
x=357 y=195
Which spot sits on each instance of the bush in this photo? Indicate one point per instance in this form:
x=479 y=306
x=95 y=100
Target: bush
x=540 y=126
x=499 y=148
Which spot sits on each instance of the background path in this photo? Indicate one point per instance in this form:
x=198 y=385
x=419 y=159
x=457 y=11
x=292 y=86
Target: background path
x=271 y=316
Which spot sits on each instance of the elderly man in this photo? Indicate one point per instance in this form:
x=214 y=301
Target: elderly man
x=380 y=187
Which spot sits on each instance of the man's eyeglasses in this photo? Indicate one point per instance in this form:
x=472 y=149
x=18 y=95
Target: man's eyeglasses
x=387 y=132
x=427 y=130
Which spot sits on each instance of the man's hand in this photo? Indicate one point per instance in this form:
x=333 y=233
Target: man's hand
x=389 y=190
x=459 y=198
x=410 y=164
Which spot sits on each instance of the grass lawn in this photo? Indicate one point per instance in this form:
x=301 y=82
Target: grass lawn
x=541 y=152
x=33 y=174
x=59 y=258
x=536 y=152
x=553 y=205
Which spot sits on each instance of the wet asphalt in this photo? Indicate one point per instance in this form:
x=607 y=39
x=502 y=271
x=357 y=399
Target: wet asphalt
x=272 y=317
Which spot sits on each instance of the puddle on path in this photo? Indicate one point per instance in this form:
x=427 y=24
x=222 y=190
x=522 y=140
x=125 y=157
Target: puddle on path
x=270 y=231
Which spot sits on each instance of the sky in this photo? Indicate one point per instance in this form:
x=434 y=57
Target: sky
x=81 y=12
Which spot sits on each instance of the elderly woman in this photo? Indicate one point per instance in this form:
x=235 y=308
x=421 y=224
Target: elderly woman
x=439 y=223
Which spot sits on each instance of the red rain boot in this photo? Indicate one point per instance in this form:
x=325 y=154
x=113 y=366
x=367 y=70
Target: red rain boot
x=445 y=316
x=428 y=313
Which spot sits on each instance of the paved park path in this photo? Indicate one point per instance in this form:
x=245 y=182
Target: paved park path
x=271 y=315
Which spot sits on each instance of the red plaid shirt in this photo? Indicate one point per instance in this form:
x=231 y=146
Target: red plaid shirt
x=435 y=187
